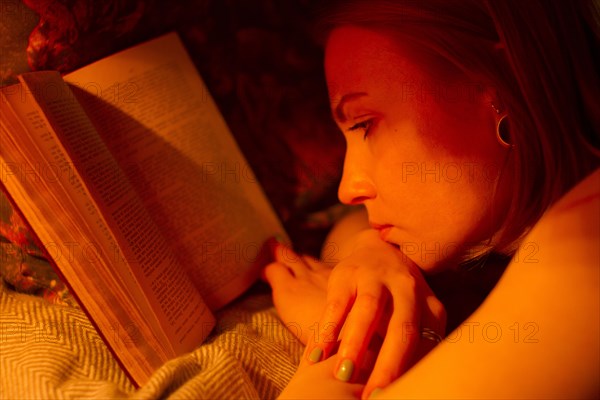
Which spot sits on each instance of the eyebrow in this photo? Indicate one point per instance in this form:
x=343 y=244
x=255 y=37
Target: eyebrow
x=339 y=108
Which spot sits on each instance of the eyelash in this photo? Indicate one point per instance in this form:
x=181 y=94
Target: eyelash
x=366 y=125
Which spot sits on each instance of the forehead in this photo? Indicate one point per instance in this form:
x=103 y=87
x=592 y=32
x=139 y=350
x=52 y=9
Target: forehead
x=358 y=59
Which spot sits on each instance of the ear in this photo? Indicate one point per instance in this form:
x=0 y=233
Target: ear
x=490 y=95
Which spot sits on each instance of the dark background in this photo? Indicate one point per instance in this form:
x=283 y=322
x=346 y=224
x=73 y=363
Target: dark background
x=261 y=60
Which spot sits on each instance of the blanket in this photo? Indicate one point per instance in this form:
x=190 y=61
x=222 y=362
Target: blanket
x=53 y=351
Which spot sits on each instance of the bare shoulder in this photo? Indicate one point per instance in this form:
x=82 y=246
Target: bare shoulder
x=545 y=314
x=570 y=230
x=583 y=194
x=560 y=257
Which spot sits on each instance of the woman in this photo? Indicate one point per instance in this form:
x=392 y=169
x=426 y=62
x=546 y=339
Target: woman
x=472 y=140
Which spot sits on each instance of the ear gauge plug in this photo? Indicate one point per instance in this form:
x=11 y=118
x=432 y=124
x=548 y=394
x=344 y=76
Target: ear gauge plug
x=502 y=126
x=503 y=131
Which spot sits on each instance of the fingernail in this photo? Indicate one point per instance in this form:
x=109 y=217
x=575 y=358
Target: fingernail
x=279 y=238
x=345 y=370
x=316 y=354
x=374 y=393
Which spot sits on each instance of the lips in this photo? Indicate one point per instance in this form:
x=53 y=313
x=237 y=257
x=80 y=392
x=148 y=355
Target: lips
x=384 y=229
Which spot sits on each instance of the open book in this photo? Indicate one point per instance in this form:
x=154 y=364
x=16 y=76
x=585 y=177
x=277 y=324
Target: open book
x=134 y=186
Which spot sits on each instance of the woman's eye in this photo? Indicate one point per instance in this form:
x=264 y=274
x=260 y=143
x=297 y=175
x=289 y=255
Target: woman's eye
x=363 y=125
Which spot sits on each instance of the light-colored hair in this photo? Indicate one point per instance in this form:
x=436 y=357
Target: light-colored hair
x=541 y=57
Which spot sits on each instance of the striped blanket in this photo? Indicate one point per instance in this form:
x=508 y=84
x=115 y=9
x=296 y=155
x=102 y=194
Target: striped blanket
x=52 y=351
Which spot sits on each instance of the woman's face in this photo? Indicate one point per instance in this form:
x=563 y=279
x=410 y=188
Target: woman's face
x=422 y=153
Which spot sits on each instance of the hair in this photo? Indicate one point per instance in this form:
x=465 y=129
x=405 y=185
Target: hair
x=541 y=58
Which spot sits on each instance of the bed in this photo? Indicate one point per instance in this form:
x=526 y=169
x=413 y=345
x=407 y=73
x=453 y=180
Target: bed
x=262 y=64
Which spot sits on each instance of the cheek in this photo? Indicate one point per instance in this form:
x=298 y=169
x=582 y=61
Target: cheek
x=448 y=156
x=435 y=200
x=456 y=130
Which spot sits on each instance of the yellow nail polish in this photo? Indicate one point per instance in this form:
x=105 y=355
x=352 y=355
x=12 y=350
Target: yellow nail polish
x=374 y=393
x=279 y=238
x=345 y=370
x=316 y=354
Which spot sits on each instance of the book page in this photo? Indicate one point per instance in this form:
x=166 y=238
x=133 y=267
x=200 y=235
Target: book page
x=119 y=264
x=33 y=186
x=159 y=121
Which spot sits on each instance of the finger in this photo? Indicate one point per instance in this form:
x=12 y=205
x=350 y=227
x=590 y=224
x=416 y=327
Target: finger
x=315 y=264
x=433 y=315
x=285 y=255
x=322 y=343
x=276 y=272
x=318 y=384
x=433 y=319
x=399 y=345
x=358 y=330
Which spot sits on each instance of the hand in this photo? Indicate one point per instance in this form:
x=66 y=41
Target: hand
x=299 y=284
x=377 y=289
x=316 y=382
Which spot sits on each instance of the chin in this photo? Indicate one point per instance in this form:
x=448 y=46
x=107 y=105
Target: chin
x=431 y=258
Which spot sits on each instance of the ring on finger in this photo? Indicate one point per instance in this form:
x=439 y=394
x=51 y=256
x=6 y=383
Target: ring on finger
x=430 y=334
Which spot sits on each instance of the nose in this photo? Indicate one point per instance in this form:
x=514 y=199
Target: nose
x=356 y=186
